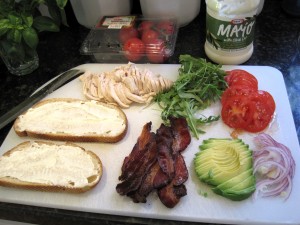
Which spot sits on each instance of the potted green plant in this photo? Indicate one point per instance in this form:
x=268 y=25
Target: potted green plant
x=20 y=23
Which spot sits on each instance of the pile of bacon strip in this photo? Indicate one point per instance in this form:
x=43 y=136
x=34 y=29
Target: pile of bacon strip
x=156 y=164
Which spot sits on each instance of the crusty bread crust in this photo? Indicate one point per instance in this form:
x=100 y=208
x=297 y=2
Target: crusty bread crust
x=16 y=183
x=73 y=138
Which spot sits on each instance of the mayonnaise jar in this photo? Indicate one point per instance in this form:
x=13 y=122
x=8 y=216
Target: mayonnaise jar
x=230 y=30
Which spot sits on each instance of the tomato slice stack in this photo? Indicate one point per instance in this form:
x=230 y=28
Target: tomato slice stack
x=243 y=105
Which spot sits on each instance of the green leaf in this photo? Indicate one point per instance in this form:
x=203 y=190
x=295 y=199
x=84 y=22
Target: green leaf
x=5 y=25
x=27 y=19
x=36 y=3
x=3 y=31
x=63 y=17
x=55 y=13
x=61 y=3
x=14 y=35
x=30 y=37
x=14 y=18
x=199 y=84
x=44 y=23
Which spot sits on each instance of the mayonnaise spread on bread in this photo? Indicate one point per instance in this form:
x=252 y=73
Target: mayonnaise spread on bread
x=75 y=118
x=49 y=164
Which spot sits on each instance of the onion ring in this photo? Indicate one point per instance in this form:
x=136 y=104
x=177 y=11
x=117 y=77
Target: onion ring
x=274 y=167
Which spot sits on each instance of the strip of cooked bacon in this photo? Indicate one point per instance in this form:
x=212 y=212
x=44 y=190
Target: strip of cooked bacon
x=132 y=161
x=164 y=140
x=181 y=174
x=181 y=133
x=170 y=194
x=156 y=163
x=133 y=182
x=154 y=179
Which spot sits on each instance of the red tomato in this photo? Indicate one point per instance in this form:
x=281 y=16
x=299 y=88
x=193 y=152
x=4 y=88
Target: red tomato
x=241 y=77
x=237 y=112
x=261 y=117
x=156 y=51
x=134 y=49
x=145 y=25
x=127 y=33
x=166 y=27
x=249 y=110
x=236 y=90
x=266 y=98
x=149 y=35
x=243 y=105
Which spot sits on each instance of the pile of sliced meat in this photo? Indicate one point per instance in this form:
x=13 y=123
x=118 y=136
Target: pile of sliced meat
x=156 y=164
x=124 y=85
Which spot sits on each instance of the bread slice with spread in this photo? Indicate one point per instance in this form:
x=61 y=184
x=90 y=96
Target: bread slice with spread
x=46 y=166
x=73 y=120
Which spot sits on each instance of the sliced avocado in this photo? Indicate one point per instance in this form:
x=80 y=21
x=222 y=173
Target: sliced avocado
x=224 y=175
x=243 y=180
x=227 y=165
x=239 y=195
x=214 y=142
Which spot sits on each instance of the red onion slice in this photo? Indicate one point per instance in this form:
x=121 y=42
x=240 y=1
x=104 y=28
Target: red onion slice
x=274 y=167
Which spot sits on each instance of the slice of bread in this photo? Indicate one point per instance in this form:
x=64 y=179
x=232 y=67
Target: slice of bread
x=46 y=166
x=73 y=120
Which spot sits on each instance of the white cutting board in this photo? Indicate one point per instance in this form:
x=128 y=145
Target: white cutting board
x=193 y=207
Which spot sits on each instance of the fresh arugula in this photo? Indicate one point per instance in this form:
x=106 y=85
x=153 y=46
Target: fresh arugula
x=199 y=84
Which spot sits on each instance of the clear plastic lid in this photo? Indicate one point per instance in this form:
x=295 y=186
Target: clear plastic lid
x=131 y=38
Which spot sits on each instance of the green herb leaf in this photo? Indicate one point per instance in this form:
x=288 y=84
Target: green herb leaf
x=14 y=35
x=61 y=3
x=198 y=85
x=54 y=12
x=27 y=19
x=30 y=37
x=4 y=26
x=44 y=23
x=14 y=18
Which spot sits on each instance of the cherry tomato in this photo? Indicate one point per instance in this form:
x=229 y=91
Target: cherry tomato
x=166 y=27
x=149 y=35
x=156 y=51
x=134 y=49
x=241 y=77
x=145 y=25
x=127 y=33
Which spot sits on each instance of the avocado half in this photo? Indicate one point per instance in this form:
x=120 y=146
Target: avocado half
x=226 y=165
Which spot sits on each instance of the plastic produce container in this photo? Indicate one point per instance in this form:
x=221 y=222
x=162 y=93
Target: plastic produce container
x=119 y=39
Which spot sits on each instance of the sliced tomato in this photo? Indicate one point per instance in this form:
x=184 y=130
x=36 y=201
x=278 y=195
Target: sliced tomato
x=236 y=90
x=268 y=99
x=237 y=112
x=260 y=118
x=243 y=105
x=241 y=77
x=248 y=110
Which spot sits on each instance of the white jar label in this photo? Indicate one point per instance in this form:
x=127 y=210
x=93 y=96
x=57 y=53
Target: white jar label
x=232 y=35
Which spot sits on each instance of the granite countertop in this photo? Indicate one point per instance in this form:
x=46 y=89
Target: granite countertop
x=275 y=45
